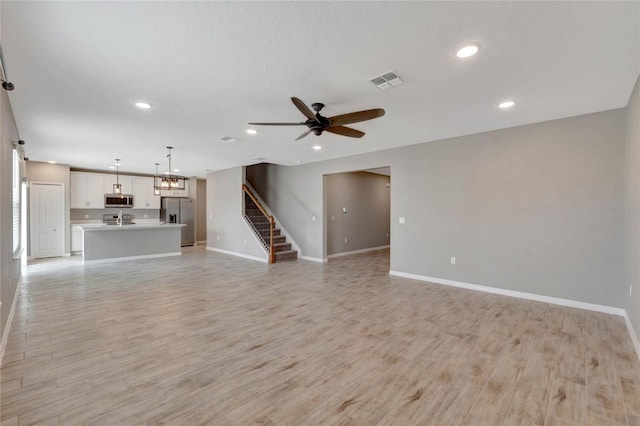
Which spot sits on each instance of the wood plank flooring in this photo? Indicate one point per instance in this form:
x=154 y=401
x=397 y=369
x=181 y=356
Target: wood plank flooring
x=208 y=338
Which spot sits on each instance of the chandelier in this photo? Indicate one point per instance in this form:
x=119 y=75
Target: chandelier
x=117 y=188
x=168 y=181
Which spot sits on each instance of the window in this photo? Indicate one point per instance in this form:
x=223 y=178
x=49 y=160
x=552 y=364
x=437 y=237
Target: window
x=16 y=202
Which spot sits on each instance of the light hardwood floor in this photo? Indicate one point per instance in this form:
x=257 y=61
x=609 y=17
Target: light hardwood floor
x=208 y=338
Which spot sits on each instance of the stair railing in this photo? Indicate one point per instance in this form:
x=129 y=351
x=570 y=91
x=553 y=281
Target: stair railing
x=272 y=222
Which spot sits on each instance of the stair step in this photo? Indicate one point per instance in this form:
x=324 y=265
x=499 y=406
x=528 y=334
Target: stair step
x=278 y=247
x=279 y=239
x=286 y=255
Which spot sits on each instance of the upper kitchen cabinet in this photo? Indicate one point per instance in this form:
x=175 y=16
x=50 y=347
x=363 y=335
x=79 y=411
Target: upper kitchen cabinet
x=125 y=181
x=143 y=197
x=177 y=192
x=86 y=190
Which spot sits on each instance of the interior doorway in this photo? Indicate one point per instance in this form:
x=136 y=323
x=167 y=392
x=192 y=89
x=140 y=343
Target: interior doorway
x=46 y=225
x=358 y=211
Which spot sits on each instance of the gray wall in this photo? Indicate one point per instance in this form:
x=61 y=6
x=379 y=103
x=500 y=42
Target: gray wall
x=201 y=209
x=523 y=209
x=226 y=230
x=10 y=269
x=366 y=196
x=631 y=213
x=53 y=173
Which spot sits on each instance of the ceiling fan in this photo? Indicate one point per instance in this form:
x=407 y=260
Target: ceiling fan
x=336 y=124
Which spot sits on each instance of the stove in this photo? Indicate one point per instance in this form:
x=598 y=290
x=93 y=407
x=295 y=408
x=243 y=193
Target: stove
x=112 y=219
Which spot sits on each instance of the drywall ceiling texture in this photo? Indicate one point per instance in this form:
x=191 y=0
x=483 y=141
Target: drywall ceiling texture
x=631 y=213
x=522 y=209
x=365 y=223
x=209 y=68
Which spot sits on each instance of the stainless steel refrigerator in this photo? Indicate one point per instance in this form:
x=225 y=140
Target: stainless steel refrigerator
x=179 y=210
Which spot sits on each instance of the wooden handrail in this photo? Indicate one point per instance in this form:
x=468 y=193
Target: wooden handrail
x=272 y=254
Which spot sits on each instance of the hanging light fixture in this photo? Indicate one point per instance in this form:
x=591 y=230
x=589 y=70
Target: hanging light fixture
x=117 y=188
x=169 y=182
x=156 y=188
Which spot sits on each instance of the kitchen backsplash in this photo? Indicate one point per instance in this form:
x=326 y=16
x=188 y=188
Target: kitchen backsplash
x=96 y=214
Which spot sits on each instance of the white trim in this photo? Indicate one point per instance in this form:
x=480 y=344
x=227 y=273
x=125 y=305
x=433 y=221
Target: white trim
x=349 y=253
x=313 y=259
x=7 y=327
x=233 y=253
x=120 y=259
x=203 y=242
x=512 y=293
x=634 y=336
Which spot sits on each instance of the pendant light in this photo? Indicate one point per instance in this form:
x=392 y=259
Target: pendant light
x=169 y=182
x=117 y=188
x=156 y=187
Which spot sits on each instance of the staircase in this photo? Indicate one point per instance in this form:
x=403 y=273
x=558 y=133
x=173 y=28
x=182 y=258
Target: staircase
x=261 y=226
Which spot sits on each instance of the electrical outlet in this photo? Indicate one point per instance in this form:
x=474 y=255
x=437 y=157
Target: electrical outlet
x=453 y=260
x=218 y=237
x=210 y=216
x=245 y=242
x=345 y=210
x=333 y=217
x=313 y=218
x=630 y=290
x=401 y=220
x=346 y=240
x=387 y=235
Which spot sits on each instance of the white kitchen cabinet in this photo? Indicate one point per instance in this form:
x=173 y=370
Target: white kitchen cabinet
x=143 y=197
x=76 y=239
x=125 y=181
x=86 y=190
x=177 y=193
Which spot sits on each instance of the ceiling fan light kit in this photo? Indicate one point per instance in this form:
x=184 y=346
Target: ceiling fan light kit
x=317 y=123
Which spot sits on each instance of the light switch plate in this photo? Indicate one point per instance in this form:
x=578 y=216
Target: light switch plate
x=401 y=220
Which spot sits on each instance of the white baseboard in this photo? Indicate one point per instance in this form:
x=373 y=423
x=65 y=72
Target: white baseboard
x=519 y=294
x=233 y=253
x=201 y=243
x=7 y=326
x=634 y=336
x=349 y=253
x=313 y=259
x=120 y=259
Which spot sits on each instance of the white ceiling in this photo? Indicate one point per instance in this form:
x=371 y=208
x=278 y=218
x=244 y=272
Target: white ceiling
x=209 y=68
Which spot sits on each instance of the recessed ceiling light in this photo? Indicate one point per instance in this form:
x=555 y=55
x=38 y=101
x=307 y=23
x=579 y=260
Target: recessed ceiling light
x=51 y=162
x=176 y=170
x=317 y=147
x=468 y=50
x=252 y=131
x=143 y=105
x=112 y=167
x=506 y=104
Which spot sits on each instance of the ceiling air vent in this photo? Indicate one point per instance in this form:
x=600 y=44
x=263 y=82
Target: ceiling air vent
x=387 y=80
x=229 y=139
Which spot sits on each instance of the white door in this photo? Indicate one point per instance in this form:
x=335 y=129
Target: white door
x=47 y=220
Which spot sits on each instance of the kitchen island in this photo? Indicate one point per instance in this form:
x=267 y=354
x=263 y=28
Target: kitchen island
x=135 y=241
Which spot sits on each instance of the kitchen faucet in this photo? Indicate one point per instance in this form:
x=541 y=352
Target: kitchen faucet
x=119 y=220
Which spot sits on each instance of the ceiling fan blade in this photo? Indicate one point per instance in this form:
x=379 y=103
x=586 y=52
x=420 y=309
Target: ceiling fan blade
x=279 y=124
x=345 y=131
x=304 y=109
x=303 y=135
x=355 y=117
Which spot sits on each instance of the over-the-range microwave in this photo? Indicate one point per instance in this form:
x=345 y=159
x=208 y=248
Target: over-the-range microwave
x=118 y=200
